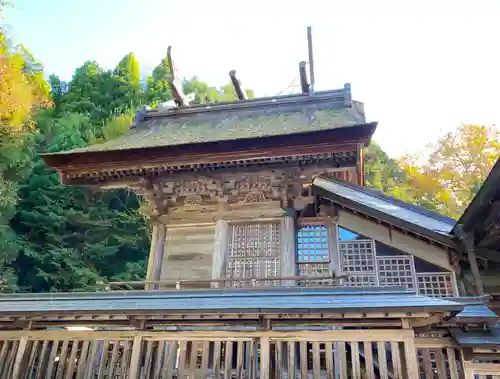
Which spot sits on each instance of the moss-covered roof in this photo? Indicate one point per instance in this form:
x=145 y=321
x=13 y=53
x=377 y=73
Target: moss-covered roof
x=235 y=121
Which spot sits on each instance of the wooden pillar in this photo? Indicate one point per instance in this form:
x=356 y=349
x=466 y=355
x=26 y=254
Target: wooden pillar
x=333 y=248
x=135 y=358
x=471 y=255
x=219 y=256
x=156 y=250
x=410 y=359
x=288 y=247
x=265 y=352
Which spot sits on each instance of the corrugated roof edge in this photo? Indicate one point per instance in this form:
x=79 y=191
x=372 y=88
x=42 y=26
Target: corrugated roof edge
x=241 y=292
x=389 y=218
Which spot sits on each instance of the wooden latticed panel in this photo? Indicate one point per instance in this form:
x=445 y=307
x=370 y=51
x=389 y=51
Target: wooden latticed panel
x=361 y=281
x=358 y=256
x=253 y=252
x=436 y=284
x=396 y=271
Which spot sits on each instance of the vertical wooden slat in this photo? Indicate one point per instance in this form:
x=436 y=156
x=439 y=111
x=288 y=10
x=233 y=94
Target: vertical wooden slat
x=441 y=365
x=370 y=372
x=291 y=359
x=356 y=365
x=341 y=369
x=114 y=359
x=61 y=364
x=452 y=361
x=160 y=355
x=426 y=363
x=33 y=349
x=396 y=360
x=103 y=360
x=135 y=358
x=90 y=364
x=240 y=360
x=329 y=361
x=316 y=361
x=41 y=361
x=171 y=359
x=52 y=359
x=382 y=360
x=82 y=360
x=181 y=369
x=252 y=364
x=288 y=249
x=11 y=359
x=216 y=361
x=205 y=358
x=70 y=371
x=411 y=359
x=125 y=361
x=278 y=359
x=264 y=357
x=19 y=358
x=303 y=360
x=146 y=369
x=228 y=361
x=192 y=360
x=3 y=354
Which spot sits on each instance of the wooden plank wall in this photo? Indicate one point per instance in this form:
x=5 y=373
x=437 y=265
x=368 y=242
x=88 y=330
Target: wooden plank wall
x=188 y=252
x=358 y=354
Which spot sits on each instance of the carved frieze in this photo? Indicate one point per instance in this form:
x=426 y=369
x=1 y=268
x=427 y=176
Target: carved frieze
x=226 y=192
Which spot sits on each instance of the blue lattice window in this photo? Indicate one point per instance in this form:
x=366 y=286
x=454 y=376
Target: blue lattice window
x=312 y=243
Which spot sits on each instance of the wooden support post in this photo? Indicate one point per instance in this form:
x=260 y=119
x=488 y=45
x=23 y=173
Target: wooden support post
x=136 y=358
x=18 y=369
x=265 y=352
x=410 y=358
x=156 y=250
x=220 y=250
x=360 y=165
x=288 y=248
x=471 y=255
x=333 y=248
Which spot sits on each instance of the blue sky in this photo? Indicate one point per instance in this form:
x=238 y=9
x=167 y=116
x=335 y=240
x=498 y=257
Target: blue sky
x=420 y=66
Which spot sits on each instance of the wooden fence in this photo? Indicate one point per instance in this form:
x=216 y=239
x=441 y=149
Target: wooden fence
x=338 y=354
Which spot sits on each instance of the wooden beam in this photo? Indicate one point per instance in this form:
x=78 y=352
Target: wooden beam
x=135 y=359
x=174 y=83
x=311 y=59
x=220 y=251
x=471 y=255
x=20 y=355
x=238 y=88
x=304 y=83
x=398 y=240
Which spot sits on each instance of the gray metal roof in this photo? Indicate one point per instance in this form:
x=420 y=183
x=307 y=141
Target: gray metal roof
x=385 y=208
x=476 y=310
x=480 y=338
x=291 y=300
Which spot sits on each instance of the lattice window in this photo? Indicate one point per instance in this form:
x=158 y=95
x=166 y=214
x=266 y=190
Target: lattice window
x=361 y=281
x=312 y=243
x=254 y=240
x=396 y=271
x=314 y=269
x=253 y=252
x=357 y=256
x=436 y=284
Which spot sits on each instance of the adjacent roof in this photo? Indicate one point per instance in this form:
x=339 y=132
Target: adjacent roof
x=476 y=310
x=269 y=300
x=482 y=216
x=257 y=118
x=489 y=338
x=385 y=208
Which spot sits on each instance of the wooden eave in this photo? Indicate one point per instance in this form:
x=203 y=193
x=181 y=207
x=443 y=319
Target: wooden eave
x=97 y=168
